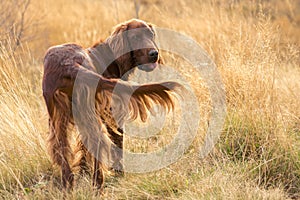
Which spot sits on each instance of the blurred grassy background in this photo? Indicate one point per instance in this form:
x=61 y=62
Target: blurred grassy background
x=255 y=45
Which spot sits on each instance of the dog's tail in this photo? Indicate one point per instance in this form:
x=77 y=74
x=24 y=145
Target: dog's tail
x=138 y=100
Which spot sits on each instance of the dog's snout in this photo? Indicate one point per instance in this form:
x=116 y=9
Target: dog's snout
x=153 y=53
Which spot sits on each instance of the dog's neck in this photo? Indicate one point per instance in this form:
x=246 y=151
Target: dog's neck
x=106 y=64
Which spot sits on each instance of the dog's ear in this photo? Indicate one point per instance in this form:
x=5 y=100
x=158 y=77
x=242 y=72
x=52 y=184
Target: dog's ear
x=119 y=44
x=118 y=41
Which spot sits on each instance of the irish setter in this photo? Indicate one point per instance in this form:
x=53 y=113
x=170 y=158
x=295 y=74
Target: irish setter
x=110 y=62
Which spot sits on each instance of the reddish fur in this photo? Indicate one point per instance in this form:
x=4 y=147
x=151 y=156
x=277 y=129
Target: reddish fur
x=61 y=66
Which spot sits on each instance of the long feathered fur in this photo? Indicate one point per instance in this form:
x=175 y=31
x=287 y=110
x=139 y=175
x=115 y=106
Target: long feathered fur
x=75 y=93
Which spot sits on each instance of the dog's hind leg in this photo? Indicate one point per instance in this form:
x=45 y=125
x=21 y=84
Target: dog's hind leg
x=58 y=144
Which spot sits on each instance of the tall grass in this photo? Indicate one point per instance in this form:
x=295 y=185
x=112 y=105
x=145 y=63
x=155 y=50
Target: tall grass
x=23 y=158
x=255 y=45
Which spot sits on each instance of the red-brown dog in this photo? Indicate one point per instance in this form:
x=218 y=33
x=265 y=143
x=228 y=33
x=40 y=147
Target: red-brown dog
x=130 y=45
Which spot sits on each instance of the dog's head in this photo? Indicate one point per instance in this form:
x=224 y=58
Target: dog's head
x=133 y=44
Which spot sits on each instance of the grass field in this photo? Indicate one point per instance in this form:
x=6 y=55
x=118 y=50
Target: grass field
x=256 y=47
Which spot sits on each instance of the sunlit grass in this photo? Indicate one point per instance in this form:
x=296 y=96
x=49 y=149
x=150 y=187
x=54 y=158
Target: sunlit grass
x=256 y=49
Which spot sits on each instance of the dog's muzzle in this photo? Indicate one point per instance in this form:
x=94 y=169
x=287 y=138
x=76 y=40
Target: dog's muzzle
x=153 y=58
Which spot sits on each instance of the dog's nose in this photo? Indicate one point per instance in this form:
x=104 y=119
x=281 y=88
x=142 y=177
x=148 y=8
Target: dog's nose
x=153 y=53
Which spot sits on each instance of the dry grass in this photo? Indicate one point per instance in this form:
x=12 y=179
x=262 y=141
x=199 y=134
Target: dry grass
x=255 y=45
